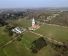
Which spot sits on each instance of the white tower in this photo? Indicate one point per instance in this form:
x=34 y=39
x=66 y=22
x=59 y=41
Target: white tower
x=33 y=22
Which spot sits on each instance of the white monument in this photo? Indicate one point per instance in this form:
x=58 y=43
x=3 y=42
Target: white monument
x=34 y=25
x=33 y=22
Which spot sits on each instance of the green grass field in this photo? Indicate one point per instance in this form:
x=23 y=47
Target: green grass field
x=22 y=48
x=57 y=32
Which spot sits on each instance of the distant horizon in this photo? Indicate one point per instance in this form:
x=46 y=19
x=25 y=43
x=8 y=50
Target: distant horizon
x=36 y=8
x=33 y=3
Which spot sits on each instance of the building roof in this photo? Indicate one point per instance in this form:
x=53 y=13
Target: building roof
x=18 y=30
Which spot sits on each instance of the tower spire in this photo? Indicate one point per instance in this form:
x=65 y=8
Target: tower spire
x=33 y=22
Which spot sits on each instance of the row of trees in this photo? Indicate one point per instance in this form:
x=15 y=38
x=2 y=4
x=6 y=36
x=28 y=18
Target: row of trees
x=60 y=50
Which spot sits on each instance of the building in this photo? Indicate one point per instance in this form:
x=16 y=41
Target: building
x=18 y=30
x=33 y=22
x=34 y=25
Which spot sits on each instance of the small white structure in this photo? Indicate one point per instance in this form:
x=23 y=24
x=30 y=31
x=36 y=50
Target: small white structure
x=18 y=30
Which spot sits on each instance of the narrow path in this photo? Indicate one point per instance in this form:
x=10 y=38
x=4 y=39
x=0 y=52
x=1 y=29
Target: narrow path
x=48 y=38
x=9 y=42
x=14 y=38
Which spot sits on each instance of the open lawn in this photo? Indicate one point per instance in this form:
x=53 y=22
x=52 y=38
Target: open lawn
x=22 y=48
x=56 y=32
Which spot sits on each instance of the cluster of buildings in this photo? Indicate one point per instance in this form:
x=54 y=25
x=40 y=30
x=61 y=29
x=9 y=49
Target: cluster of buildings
x=19 y=30
x=51 y=17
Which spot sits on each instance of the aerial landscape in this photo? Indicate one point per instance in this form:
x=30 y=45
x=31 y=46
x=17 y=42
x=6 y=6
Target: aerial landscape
x=34 y=28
